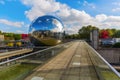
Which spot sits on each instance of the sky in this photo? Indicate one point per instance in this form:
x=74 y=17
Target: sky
x=17 y=15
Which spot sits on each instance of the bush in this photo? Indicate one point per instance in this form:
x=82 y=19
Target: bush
x=116 y=45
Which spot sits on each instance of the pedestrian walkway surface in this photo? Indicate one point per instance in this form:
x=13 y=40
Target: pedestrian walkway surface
x=71 y=64
x=14 y=53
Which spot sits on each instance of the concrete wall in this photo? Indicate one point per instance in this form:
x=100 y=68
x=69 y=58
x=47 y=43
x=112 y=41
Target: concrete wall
x=94 y=38
x=110 y=54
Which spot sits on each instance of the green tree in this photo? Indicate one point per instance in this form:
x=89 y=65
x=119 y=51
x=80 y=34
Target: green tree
x=84 y=32
x=12 y=36
x=111 y=32
x=0 y=32
x=117 y=34
x=17 y=36
x=8 y=36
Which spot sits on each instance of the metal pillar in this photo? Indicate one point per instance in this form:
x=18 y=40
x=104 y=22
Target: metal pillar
x=94 y=37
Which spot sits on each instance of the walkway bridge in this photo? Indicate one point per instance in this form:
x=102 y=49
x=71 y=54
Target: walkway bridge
x=70 y=61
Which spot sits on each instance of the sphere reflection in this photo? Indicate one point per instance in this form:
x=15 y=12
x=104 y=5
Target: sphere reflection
x=46 y=30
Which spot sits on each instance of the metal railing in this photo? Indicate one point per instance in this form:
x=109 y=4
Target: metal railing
x=104 y=70
x=51 y=50
x=38 y=57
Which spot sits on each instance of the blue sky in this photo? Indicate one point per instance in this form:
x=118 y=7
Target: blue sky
x=17 y=15
x=99 y=6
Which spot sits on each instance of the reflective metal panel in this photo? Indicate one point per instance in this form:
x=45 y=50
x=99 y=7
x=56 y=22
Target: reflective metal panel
x=46 y=30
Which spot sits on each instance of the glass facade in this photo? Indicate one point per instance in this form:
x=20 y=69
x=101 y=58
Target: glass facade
x=46 y=30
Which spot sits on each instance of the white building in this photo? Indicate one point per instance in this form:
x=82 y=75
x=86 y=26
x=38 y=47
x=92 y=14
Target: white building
x=116 y=40
x=110 y=41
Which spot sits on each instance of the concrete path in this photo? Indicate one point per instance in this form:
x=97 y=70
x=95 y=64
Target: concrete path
x=14 y=53
x=72 y=64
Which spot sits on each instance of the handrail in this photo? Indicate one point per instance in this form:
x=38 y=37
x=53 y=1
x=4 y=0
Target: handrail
x=1 y=63
x=11 y=52
x=113 y=69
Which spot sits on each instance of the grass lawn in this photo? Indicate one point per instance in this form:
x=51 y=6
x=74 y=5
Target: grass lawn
x=16 y=71
x=109 y=75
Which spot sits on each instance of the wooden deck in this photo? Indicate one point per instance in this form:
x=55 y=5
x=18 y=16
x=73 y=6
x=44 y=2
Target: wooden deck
x=73 y=63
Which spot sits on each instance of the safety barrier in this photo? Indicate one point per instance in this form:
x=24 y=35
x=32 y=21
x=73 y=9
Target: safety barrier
x=104 y=70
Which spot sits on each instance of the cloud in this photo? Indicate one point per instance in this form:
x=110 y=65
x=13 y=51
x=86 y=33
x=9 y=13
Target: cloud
x=10 y=23
x=40 y=7
x=116 y=10
x=107 y=21
x=113 y=19
x=116 y=3
x=89 y=4
x=101 y=17
x=76 y=16
x=5 y=1
x=20 y=31
x=73 y=19
x=2 y=2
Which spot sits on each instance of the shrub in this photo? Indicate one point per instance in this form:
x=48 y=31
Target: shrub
x=116 y=45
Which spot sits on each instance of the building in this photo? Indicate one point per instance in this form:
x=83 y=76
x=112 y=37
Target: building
x=1 y=38
x=110 y=41
x=116 y=40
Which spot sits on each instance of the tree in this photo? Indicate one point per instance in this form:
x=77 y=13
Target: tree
x=0 y=32
x=8 y=36
x=107 y=33
x=111 y=32
x=117 y=34
x=104 y=34
x=84 y=32
x=12 y=36
x=72 y=36
x=17 y=36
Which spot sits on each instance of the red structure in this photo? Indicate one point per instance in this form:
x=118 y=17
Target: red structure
x=24 y=36
x=104 y=34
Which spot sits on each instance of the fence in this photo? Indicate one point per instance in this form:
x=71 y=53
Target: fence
x=104 y=70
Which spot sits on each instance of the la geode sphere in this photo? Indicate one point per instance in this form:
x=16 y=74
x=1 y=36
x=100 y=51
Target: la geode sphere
x=46 y=31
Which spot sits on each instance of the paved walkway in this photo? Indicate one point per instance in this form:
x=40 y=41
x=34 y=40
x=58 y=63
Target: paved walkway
x=14 y=53
x=72 y=64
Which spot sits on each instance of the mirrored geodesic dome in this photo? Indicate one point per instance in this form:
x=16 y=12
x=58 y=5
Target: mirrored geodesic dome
x=46 y=30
